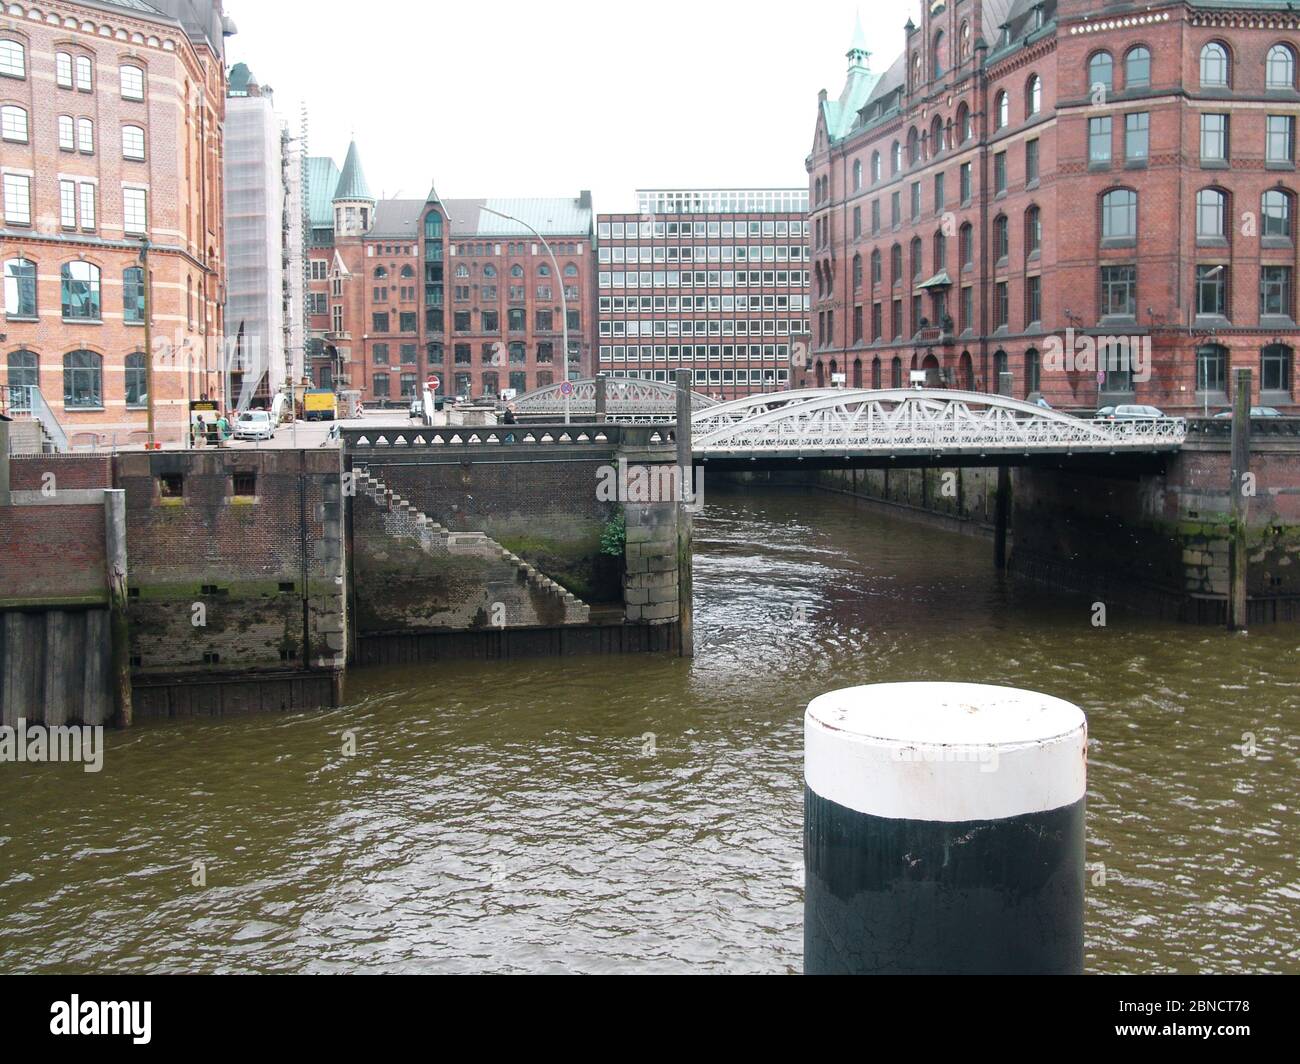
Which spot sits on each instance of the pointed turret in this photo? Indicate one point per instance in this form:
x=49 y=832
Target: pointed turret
x=857 y=54
x=354 y=206
x=433 y=196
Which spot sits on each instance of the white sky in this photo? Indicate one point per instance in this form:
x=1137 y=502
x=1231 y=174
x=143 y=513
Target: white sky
x=669 y=93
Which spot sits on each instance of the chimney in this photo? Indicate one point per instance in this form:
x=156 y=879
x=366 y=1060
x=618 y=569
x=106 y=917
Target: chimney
x=584 y=199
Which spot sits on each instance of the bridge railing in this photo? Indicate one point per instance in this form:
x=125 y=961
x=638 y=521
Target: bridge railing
x=1220 y=428
x=530 y=437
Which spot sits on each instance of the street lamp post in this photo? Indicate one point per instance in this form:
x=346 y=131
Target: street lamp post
x=564 y=299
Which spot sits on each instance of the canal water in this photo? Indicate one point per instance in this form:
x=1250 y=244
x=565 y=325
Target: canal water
x=644 y=814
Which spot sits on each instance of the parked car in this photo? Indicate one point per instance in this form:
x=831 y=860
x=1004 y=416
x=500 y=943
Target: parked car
x=254 y=425
x=1255 y=411
x=1106 y=413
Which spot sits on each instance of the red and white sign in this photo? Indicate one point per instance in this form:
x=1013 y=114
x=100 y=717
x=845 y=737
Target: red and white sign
x=433 y=384
x=566 y=389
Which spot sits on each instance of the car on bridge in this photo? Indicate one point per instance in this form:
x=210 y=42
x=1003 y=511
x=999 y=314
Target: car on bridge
x=1129 y=412
x=1255 y=411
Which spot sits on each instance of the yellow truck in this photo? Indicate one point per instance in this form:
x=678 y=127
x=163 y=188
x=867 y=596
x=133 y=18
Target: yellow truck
x=320 y=406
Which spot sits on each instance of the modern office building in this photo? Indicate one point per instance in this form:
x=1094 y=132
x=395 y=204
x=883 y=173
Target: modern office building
x=1098 y=199
x=111 y=119
x=710 y=280
x=477 y=292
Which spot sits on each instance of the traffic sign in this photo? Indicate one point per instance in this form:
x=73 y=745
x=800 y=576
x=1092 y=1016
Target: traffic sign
x=434 y=384
x=566 y=389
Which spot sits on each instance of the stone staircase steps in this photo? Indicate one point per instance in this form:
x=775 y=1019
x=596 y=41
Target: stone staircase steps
x=412 y=522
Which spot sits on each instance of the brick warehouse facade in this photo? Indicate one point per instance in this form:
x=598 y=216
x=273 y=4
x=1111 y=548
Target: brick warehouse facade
x=1026 y=169
x=715 y=281
x=404 y=289
x=112 y=125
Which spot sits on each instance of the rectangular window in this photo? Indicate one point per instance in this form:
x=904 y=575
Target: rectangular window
x=408 y=322
x=135 y=210
x=1119 y=291
x=379 y=323
x=1214 y=138
x=87 y=195
x=967 y=310
x=84 y=77
x=1280 y=141
x=1211 y=290
x=895 y=209
x=938 y=193
x=63 y=70
x=1275 y=291
x=1033 y=300
x=380 y=383
x=13 y=124
x=965 y=182
x=1137 y=132
x=85 y=136
x=916 y=200
x=1031 y=162
x=67 y=134
x=1001 y=308
x=68 y=204
x=1000 y=172
x=380 y=352
x=1099 y=141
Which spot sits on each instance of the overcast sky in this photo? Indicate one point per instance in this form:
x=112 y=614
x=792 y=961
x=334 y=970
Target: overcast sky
x=521 y=98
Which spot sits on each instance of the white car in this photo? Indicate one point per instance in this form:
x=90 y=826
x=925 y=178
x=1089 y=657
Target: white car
x=254 y=425
x=1136 y=413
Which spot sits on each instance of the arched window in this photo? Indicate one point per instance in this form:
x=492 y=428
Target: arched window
x=1033 y=231
x=918 y=267
x=1119 y=214
x=462 y=272
x=133 y=143
x=896 y=157
x=433 y=226
x=896 y=372
x=913 y=147
x=1137 y=68
x=857 y=174
x=85 y=80
x=896 y=264
x=382 y=271
x=857 y=272
x=1101 y=72
x=570 y=270
x=875 y=167
x=936 y=136
x=1033 y=96
x=916 y=70
x=1214 y=66
x=1000 y=367
x=132 y=82
x=1001 y=238
x=966 y=245
x=20 y=288
x=963 y=124
x=875 y=373
x=1211 y=212
x=963 y=43
x=1001 y=110
x=1280 y=68
x=81 y=292
x=1275 y=206
x=408 y=272
x=13 y=124
x=875 y=267
x=24 y=369
x=940 y=54
x=133 y=294
x=516 y=271
x=543 y=270
x=136 y=385
x=13 y=59
x=940 y=251
x=83 y=380
x=488 y=270
x=1033 y=374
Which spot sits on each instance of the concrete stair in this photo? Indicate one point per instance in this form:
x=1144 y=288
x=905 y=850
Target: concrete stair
x=404 y=519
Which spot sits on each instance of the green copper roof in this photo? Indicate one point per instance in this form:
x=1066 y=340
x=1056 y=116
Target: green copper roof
x=322 y=180
x=239 y=78
x=352 y=185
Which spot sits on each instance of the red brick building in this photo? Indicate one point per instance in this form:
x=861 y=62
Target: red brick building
x=111 y=116
x=459 y=289
x=1036 y=188
x=710 y=280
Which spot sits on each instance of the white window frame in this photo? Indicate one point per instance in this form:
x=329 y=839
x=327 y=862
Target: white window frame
x=129 y=195
x=17 y=198
x=67 y=126
x=130 y=92
x=134 y=148
x=14 y=124
x=85 y=71
x=13 y=60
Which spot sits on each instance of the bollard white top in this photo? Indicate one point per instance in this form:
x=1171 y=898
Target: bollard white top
x=948 y=752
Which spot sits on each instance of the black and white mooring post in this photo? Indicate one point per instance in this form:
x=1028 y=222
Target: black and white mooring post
x=943 y=831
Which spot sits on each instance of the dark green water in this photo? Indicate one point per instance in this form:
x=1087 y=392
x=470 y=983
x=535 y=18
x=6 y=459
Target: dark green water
x=505 y=818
